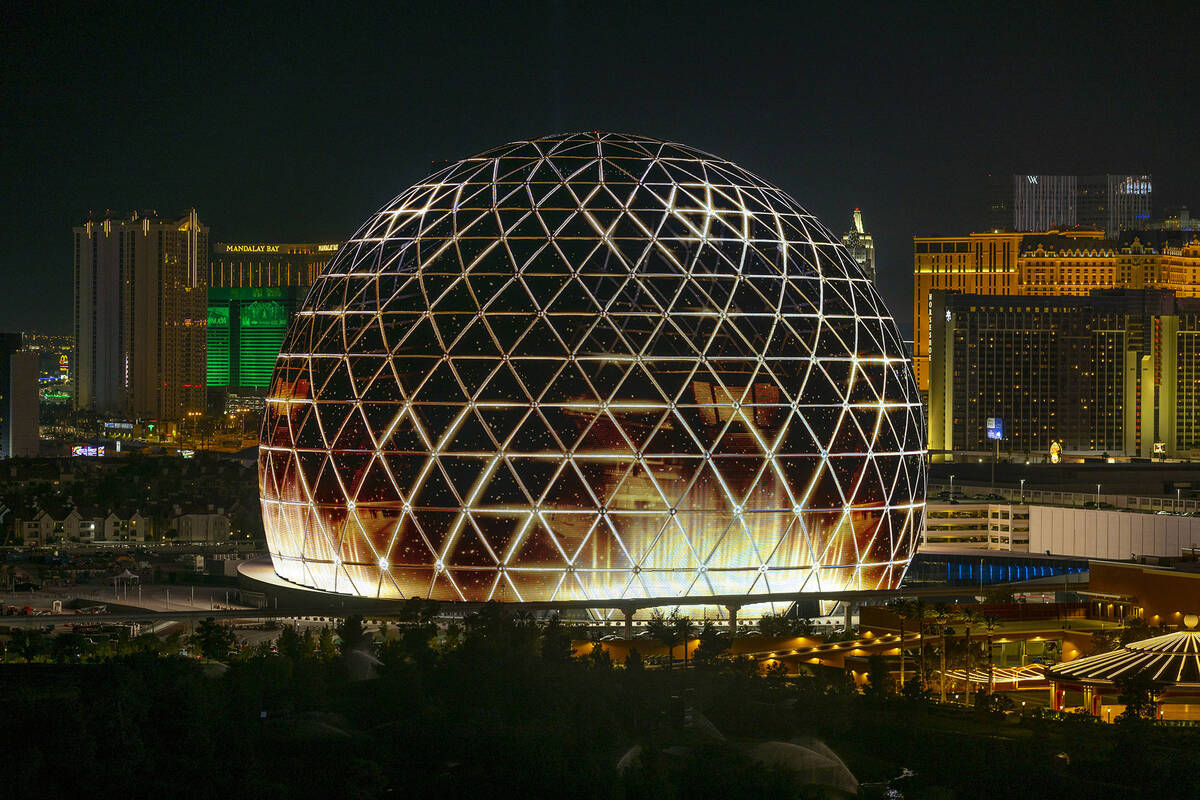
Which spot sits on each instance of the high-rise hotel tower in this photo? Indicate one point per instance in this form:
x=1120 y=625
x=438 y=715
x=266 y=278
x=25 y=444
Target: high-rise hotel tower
x=140 y=315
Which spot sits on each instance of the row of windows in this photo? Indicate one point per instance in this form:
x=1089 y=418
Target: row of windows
x=942 y=247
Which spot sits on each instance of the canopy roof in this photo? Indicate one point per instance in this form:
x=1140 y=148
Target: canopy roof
x=1173 y=659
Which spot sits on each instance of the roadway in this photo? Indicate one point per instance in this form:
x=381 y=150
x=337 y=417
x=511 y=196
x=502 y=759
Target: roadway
x=322 y=609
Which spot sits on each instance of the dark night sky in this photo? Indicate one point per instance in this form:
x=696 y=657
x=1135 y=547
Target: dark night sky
x=287 y=124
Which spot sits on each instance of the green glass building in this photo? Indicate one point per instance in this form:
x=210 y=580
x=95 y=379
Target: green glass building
x=254 y=288
x=245 y=330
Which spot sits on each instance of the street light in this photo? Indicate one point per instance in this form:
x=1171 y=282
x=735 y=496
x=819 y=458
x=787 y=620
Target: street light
x=1097 y=497
x=951 y=487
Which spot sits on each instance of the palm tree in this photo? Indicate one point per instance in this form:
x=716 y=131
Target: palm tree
x=683 y=629
x=969 y=617
x=662 y=628
x=990 y=623
x=920 y=613
x=942 y=616
x=900 y=607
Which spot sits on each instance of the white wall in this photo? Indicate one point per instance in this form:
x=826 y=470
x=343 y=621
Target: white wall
x=1109 y=534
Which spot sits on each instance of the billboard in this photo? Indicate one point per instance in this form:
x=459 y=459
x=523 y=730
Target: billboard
x=995 y=428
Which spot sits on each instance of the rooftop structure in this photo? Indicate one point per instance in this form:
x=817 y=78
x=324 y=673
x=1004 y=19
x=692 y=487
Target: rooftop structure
x=1171 y=661
x=860 y=244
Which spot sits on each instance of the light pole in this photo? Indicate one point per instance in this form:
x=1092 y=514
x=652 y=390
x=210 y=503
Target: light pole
x=1097 y=497
x=995 y=458
x=951 y=487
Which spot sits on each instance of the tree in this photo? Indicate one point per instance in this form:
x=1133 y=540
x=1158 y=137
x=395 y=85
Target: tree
x=969 y=617
x=599 y=658
x=915 y=690
x=902 y=609
x=1139 y=692
x=556 y=641
x=633 y=660
x=350 y=632
x=776 y=625
x=662 y=628
x=920 y=613
x=990 y=624
x=308 y=643
x=711 y=644
x=68 y=648
x=28 y=643
x=776 y=673
x=988 y=703
x=150 y=644
x=684 y=630
x=325 y=646
x=879 y=678
x=942 y=616
x=289 y=643
x=214 y=640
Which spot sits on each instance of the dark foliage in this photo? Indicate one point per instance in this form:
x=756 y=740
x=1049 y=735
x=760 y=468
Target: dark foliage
x=498 y=707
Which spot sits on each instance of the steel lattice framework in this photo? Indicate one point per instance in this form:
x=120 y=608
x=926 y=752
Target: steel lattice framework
x=592 y=366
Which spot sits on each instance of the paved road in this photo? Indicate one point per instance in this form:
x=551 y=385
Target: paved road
x=208 y=599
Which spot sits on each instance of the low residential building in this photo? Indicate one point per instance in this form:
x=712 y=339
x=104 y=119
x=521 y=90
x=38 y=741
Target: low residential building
x=128 y=526
x=52 y=526
x=199 y=525
x=40 y=528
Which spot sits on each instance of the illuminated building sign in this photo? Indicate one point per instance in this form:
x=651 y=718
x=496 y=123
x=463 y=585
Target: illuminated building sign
x=1160 y=447
x=1135 y=186
x=995 y=428
x=92 y=450
x=291 y=249
x=1055 y=452
x=187 y=453
x=120 y=426
x=252 y=248
x=63 y=361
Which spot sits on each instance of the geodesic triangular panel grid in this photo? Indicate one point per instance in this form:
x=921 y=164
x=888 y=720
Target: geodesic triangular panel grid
x=592 y=366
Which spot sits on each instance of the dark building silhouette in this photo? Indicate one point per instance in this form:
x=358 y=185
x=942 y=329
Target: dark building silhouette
x=18 y=398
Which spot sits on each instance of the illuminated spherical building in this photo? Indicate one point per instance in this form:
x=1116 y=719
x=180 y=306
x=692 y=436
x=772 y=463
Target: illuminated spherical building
x=590 y=367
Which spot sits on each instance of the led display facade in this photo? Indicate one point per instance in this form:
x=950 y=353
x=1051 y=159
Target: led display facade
x=246 y=327
x=591 y=367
